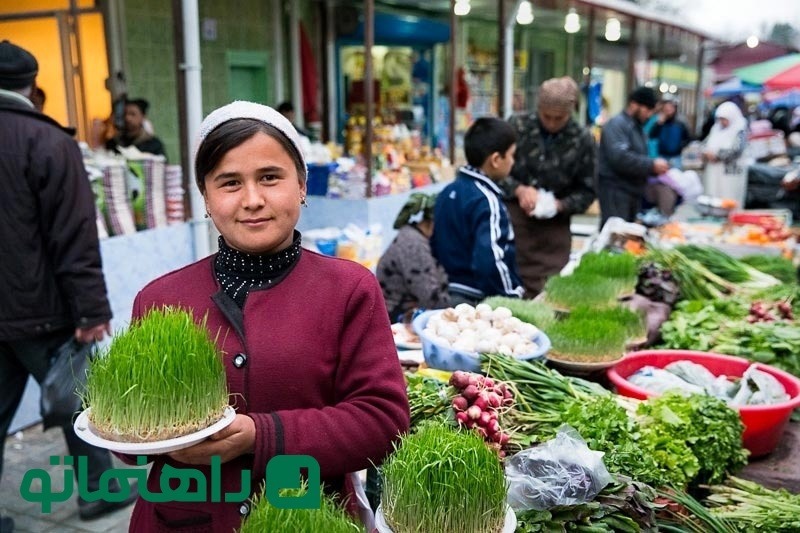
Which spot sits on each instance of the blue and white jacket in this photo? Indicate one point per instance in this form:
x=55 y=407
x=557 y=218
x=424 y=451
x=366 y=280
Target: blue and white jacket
x=473 y=238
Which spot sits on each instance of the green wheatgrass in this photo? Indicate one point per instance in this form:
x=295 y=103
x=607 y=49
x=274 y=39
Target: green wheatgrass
x=329 y=518
x=567 y=292
x=161 y=378
x=444 y=480
x=609 y=265
x=587 y=339
x=633 y=322
x=539 y=314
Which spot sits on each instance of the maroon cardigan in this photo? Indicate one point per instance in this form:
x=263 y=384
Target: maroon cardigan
x=321 y=377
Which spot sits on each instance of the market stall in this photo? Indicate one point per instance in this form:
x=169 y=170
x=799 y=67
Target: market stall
x=676 y=360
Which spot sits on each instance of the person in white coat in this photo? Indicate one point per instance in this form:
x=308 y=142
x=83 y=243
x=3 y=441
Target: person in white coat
x=721 y=152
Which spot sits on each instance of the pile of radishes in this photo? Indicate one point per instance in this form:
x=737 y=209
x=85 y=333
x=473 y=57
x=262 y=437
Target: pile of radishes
x=761 y=312
x=479 y=402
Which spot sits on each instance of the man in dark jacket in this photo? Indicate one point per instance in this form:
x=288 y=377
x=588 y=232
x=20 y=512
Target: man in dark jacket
x=624 y=165
x=51 y=277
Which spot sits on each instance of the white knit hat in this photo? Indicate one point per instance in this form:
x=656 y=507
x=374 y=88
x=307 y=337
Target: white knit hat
x=251 y=110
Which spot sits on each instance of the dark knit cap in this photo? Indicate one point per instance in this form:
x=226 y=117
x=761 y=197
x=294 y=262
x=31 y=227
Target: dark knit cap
x=644 y=96
x=18 y=67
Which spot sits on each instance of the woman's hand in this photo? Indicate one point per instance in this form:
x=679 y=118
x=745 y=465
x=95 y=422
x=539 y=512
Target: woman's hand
x=229 y=443
x=526 y=195
x=710 y=157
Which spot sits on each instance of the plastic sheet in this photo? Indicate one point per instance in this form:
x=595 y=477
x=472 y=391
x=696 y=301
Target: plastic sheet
x=562 y=471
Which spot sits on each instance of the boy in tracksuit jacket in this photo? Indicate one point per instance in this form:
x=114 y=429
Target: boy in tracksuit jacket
x=473 y=238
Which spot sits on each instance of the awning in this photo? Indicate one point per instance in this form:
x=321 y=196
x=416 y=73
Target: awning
x=759 y=73
x=788 y=79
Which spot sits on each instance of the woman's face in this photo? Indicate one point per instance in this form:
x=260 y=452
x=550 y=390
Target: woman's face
x=253 y=196
x=724 y=122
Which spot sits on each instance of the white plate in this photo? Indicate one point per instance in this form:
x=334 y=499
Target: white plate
x=404 y=339
x=84 y=430
x=411 y=357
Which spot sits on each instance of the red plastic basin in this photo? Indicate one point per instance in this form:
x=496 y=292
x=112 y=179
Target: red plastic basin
x=763 y=424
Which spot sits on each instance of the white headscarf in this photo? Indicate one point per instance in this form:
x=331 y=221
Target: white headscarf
x=242 y=109
x=720 y=138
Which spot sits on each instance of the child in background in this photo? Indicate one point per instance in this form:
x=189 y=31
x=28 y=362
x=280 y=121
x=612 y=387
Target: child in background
x=409 y=275
x=473 y=238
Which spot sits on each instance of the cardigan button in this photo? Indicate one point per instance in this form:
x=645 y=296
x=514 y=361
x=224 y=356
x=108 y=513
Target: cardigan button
x=244 y=509
x=240 y=360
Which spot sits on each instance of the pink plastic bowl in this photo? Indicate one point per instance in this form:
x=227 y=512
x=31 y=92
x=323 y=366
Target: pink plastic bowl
x=763 y=424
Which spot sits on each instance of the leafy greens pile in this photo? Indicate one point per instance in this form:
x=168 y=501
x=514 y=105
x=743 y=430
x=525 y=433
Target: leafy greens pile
x=672 y=440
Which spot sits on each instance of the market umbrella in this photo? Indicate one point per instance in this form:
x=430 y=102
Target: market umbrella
x=787 y=79
x=733 y=87
x=790 y=98
x=758 y=73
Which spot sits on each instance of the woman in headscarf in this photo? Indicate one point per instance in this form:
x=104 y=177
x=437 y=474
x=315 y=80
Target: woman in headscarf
x=409 y=275
x=721 y=151
x=552 y=179
x=309 y=357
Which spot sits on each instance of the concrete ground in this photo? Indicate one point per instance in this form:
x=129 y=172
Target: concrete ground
x=32 y=448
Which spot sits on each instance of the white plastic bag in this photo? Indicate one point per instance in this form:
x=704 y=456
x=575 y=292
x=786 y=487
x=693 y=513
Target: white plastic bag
x=562 y=471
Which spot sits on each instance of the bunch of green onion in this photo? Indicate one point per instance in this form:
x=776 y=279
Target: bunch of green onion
x=161 y=378
x=444 y=480
x=329 y=518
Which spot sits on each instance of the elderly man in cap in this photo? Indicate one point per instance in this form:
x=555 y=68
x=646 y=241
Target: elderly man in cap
x=552 y=179
x=624 y=165
x=51 y=275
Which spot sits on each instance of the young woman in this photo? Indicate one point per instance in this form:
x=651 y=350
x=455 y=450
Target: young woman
x=310 y=360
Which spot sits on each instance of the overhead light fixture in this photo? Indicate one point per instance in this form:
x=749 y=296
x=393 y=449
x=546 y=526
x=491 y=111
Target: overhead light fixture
x=664 y=87
x=673 y=89
x=572 y=24
x=461 y=8
x=525 y=12
x=613 y=29
x=752 y=41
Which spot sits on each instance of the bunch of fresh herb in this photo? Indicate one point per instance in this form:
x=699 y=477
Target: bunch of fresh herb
x=696 y=282
x=608 y=427
x=710 y=429
x=539 y=314
x=755 y=507
x=444 y=480
x=721 y=326
x=427 y=398
x=727 y=267
x=594 y=290
x=733 y=506
x=775 y=265
x=159 y=379
x=330 y=517
x=623 y=505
